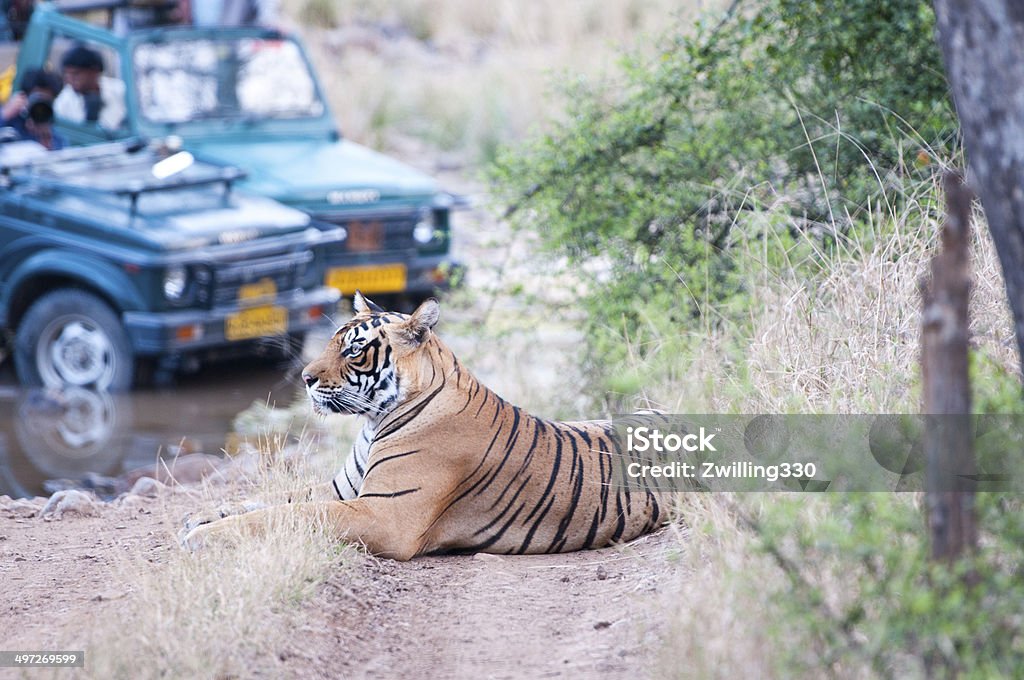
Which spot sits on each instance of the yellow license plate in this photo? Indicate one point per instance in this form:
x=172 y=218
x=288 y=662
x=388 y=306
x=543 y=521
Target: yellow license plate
x=389 y=278
x=256 y=323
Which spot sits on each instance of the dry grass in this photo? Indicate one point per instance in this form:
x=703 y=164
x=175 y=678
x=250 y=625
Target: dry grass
x=232 y=606
x=725 y=612
x=718 y=611
x=461 y=76
x=845 y=340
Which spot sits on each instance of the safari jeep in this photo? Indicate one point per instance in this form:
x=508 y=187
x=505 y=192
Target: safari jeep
x=249 y=98
x=121 y=257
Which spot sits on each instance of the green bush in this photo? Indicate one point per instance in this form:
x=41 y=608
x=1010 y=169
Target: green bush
x=820 y=108
x=995 y=389
x=866 y=595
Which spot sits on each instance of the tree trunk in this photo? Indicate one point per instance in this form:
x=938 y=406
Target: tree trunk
x=947 y=391
x=981 y=43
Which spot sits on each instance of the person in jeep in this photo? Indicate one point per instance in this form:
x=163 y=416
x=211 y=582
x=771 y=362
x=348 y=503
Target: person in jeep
x=29 y=112
x=90 y=97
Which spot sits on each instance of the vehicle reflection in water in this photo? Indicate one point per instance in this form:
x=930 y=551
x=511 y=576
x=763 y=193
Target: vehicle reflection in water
x=56 y=438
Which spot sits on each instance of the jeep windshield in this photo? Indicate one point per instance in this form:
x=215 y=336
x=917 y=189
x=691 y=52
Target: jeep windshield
x=249 y=78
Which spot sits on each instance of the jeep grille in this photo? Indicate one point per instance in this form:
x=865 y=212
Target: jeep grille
x=374 y=234
x=284 y=270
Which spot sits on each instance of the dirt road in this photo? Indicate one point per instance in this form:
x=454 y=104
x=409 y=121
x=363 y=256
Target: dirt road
x=576 y=615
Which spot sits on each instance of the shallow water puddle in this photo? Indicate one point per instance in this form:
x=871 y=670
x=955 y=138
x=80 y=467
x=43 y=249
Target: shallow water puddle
x=79 y=438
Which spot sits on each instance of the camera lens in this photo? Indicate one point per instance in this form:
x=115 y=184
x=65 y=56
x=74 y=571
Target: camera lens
x=39 y=108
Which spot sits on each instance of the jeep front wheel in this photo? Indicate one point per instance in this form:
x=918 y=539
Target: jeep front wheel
x=71 y=337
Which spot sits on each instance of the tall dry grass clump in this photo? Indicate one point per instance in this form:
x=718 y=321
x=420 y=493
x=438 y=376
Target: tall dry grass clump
x=230 y=607
x=718 y=610
x=836 y=329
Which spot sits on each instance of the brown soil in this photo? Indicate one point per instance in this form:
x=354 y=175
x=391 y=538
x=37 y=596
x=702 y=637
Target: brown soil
x=586 y=614
x=56 y=575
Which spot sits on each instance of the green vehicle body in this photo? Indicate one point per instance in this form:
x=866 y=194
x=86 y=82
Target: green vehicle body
x=93 y=220
x=299 y=160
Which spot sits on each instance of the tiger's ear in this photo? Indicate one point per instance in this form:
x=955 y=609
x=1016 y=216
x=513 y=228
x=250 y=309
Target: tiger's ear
x=416 y=328
x=363 y=305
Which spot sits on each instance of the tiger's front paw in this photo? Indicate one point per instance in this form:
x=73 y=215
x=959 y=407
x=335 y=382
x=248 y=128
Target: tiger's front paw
x=195 y=519
x=198 y=536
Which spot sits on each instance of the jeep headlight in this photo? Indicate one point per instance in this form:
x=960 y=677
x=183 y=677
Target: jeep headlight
x=423 y=232
x=426 y=229
x=175 y=283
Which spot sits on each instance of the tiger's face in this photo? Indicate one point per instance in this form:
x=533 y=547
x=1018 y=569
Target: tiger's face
x=367 y=365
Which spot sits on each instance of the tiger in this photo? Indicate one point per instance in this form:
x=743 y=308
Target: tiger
x=442 y=464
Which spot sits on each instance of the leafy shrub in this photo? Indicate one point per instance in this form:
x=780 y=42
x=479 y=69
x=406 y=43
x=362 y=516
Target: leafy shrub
x=996 y=389
x=654 y=176
x=866 y=595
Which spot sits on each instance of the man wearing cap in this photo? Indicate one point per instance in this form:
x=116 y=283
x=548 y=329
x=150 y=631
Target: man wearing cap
x=90 y=97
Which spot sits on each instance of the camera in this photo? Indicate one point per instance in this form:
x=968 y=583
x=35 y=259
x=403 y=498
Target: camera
x=39 y=108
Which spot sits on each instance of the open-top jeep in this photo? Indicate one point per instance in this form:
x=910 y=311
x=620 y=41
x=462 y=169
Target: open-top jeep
x=122 y=255
x=248 y=97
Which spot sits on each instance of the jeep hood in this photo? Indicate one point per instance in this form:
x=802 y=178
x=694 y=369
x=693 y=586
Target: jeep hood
x=169 y=222
x=305 y=171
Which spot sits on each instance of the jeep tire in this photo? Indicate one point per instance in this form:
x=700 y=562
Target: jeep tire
x=72 y=337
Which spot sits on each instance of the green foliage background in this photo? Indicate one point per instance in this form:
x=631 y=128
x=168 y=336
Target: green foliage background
x=819 y=109
x=895 y=611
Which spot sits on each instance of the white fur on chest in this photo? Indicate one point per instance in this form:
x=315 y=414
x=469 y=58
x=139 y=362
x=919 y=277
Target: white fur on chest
x=350 y=479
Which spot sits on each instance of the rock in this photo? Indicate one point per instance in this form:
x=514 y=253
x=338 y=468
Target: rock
x=186 y=469
x=22 y=508
x=69 y=502
x=242 y=466
x=147 y=486
x=602 y=573
x=134 y=503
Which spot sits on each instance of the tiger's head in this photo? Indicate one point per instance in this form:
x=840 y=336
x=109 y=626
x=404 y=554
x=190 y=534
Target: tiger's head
x=372 y=362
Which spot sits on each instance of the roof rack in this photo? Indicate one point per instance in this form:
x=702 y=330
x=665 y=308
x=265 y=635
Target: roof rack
x=27 y=171
x=227 y=176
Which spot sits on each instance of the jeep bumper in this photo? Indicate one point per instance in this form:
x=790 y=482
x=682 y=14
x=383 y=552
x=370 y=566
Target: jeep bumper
x=178 y=332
